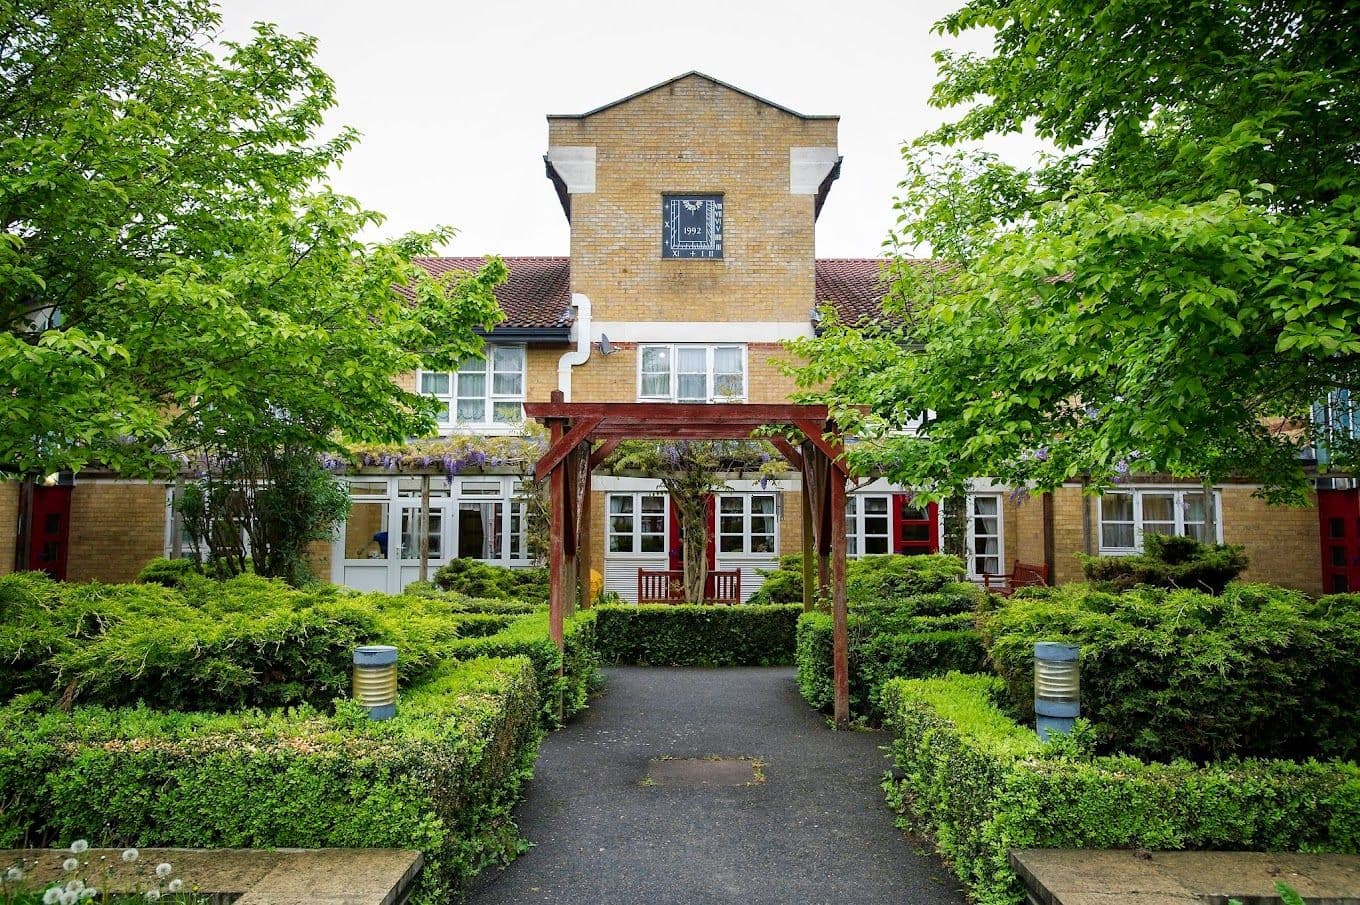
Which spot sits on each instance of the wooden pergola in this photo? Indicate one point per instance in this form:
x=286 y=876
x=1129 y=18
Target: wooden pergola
x=583 y=434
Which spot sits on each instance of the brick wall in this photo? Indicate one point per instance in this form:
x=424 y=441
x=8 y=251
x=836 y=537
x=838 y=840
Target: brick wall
x=9 y=524
x=116 y=529
x=693 y=136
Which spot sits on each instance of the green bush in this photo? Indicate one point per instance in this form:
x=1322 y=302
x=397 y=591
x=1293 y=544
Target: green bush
x=168 y=572
x=868 y=580
x=697 y=635
x=1168 y=561
x=906 y=646
x=218 y=645
x=527 y=636
x=439 y=778
x=476 y=578
x=1258 y=671
x=981 y=785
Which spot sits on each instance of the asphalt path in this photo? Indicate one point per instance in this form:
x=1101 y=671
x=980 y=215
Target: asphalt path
x=711 y=785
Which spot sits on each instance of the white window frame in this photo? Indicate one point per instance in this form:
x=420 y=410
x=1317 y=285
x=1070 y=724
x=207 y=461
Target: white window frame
x=487 y=423
x=855 y=533
x=971 y=515
x=636 y=532
x=1178 y=494
x=747 y=514
x=673 y=380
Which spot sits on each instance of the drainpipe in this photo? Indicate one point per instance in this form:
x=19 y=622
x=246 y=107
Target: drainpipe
x=582 y=351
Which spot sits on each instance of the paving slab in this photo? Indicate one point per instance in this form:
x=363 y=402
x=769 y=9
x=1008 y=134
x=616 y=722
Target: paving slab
x=334 y=876
x=791 y=811
x=1072 y=877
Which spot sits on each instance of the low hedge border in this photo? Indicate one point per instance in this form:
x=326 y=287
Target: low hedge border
x=981 y=784
x=527 y=636
x=440 y=778
x=882 y=648
x=697 y=635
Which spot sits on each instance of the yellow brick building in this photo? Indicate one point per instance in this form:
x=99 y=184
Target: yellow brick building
x=692 y=207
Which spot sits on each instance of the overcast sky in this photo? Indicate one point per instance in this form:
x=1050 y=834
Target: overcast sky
x=450 y=96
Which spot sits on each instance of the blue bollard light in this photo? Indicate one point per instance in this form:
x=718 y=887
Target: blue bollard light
x=375 y=680
x=1057 y=688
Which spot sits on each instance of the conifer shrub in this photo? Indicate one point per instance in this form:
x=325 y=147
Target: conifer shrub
x=1257 y=671
x=869 y=580
x=1169 y=561
x=475 y=578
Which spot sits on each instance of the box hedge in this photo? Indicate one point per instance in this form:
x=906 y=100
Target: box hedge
x=901 y=645
x=440 y=778
x=868 y=580
x=696 y=635
x=980 y=785
x=1258 y=671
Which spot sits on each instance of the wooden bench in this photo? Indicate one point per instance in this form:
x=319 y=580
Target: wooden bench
x=1022 y=575
x=668 y=586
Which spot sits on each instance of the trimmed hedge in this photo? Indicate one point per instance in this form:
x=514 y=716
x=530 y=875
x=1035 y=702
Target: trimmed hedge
x=981 y=784
x=902 y=645
x=696 y=635
x=440 y=778
x=1259 y=671
x=868 y=580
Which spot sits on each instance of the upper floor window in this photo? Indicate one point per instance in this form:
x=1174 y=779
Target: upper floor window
x=691 y=226
x=483 y=391
x=691 y=373
x=1127 y=516
x=1336 y=418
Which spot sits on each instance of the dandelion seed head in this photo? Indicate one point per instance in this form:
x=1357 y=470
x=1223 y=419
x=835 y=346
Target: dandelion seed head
x=80 y=847
x=130 y=855
x=164 y=869
x=153 y=895
x=14 y=874
x=70 y=864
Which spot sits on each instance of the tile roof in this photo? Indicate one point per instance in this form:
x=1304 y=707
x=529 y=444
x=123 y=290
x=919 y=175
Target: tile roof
x=536 y=294
x=538 y=291
x=856 y=287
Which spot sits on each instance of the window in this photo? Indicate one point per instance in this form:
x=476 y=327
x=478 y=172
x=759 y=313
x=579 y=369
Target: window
x=868 y=521
x=484 y=391
x=692 y=373
x=984 y=534
x=746 y=524
x=1336 y=421
x=637 y=523
x=1127 y=516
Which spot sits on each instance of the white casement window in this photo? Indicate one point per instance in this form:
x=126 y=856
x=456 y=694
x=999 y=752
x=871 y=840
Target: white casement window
x=483 y=391
x=746 y=524
x=637 y=523
x=983 y=539
x=692 y=373
x=868 y=524
x=1127 y=516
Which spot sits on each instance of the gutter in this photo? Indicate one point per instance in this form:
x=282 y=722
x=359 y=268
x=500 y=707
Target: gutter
x=582 y=353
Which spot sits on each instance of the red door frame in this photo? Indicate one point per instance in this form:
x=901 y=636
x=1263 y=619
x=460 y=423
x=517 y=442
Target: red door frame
x=49 y=530
x=1339 y=535
x=907 y=536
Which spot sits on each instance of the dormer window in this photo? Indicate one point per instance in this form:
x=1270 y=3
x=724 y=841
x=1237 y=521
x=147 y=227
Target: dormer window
x=692 y=373
x=483 y=392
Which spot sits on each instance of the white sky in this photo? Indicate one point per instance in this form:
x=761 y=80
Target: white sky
x=451 y=96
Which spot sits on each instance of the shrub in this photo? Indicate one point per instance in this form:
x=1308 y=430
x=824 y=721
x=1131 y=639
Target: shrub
x=697 y=635
x=476 y=578
x=868 y=580
x=168 y=572
x=1259 y=671
x=210 y=645
x=1169 y=562
x=981 y=785
x=907 y=645
x=440 y=778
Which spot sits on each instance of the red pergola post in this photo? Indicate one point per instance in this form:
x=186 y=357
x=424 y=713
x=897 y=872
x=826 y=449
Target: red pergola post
x=557 y=522
x=840 y=630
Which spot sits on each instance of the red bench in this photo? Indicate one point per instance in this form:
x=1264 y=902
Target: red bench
x=1022 y=575
x=668 y=586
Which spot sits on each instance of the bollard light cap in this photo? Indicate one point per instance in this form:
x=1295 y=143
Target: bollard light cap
x=1055 y=650
x=375 y=655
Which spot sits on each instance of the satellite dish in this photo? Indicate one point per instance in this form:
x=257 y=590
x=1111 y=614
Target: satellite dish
x=606 y=347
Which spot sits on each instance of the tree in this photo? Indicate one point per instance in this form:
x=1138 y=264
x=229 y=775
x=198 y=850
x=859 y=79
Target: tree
x=1168 y=291
x=691 y=471
x=171 y=263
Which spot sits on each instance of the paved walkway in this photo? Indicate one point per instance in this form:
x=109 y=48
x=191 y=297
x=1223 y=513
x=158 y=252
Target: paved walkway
x=815 y=830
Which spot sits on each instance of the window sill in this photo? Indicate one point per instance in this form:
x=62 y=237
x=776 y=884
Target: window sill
x=492 y=429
